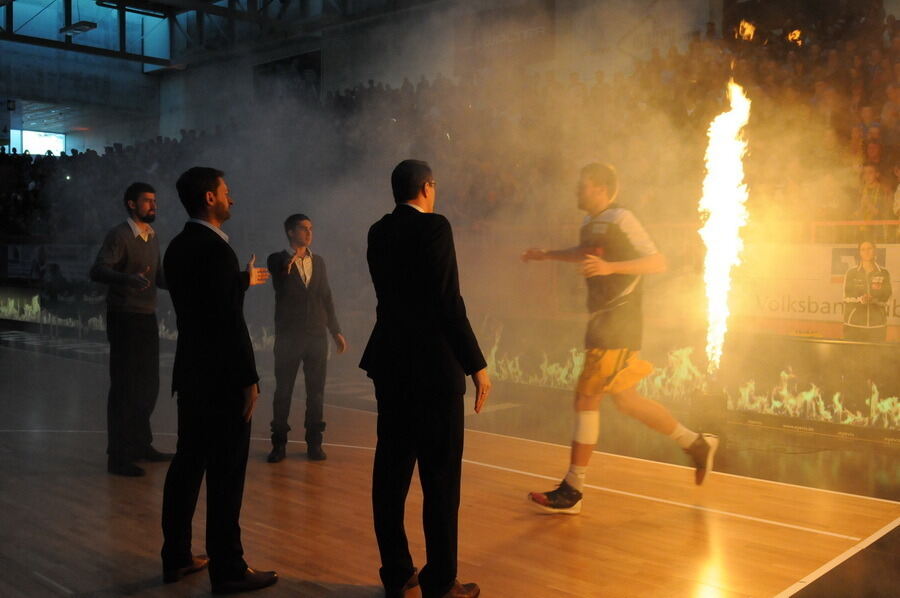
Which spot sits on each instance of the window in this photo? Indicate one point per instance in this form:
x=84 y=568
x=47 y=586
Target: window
x=38 y=142
x=15 y=141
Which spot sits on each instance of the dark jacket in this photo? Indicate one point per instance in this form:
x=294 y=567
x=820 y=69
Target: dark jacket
x=421 y=332
x=858 y=282
x=207 y=289
x=301 y=309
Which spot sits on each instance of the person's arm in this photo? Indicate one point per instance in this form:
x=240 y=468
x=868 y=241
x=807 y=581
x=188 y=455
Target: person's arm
x=275 y=267
x=224 y=285
x=110 y=259
x=572 y=254
x=328 y=302
x=651 y=264
x=848 y=298
x=441 y=260
x=160 y=274
x=651 y=261
x=883 y=293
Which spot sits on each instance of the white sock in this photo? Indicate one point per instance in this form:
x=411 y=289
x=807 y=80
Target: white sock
x=575 y=476
x=683 y=436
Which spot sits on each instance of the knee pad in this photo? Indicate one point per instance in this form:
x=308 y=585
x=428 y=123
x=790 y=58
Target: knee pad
x=587 y=427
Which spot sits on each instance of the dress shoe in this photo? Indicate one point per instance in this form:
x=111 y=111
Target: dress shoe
x=154 y=456
x=198 y=563
x=314 y=452
x=124 y=468
x=252 y=580
x=460 y=590
x=412 y=582
x=277 y=454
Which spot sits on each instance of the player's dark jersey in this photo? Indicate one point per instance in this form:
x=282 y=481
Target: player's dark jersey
x=616 y=235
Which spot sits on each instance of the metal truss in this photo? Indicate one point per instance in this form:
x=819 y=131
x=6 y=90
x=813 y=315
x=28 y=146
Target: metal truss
x=335 y=13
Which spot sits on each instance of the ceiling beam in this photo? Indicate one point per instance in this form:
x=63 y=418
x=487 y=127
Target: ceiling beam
x=8 y=26
x=212 y=9
x=73 y=47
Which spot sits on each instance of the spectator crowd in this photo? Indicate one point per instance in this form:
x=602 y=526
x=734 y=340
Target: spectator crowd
x=824 y=137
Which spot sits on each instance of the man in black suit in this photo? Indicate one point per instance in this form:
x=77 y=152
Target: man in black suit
x=420 y=351
x=216 y=381
x=304 y=312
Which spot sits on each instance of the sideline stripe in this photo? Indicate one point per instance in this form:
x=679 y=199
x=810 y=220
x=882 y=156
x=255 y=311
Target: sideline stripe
x=803 y=583
x=674 y=503
x=545 y=477
x=716 y=473
x=50 y=582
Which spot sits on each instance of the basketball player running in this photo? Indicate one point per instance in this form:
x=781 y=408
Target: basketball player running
x=615 y=252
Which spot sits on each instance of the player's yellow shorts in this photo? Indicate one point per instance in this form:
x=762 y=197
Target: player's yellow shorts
x=610 y=371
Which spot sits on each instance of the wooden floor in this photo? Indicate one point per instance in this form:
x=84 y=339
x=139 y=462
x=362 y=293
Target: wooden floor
x=68 y=528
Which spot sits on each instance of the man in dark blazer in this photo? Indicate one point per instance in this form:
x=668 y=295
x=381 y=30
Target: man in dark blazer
x=420 y=351
x=304 y=312
x=216 y=381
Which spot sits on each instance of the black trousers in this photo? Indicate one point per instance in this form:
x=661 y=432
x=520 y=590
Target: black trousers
x=290 y=351
x=134 y=383
x=214 y=439
x=424 y=427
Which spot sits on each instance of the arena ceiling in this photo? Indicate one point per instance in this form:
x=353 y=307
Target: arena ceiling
x=268 y=15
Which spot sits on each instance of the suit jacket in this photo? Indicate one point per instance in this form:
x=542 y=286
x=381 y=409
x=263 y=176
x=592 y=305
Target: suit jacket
x=421 y=332
x=207 y=289
x=302 y=309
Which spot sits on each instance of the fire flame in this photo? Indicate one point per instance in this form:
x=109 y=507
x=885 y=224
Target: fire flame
x=787 y=401
x=746 y=31
x=680 y=381
x=724 y=213
x=794 y=37
x=550 y=374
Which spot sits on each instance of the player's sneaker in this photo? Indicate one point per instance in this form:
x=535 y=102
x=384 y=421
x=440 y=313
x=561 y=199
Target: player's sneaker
x=702 y=451
x=565 y=500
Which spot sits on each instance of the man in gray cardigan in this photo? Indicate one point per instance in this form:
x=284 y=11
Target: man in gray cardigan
x=128 y=261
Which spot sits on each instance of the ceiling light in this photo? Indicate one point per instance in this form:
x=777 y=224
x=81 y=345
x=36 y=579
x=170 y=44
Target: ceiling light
x=79 y=27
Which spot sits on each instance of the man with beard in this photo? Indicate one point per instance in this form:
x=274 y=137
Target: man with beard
x=217 y=384
x=128 y=261
x=615 y=252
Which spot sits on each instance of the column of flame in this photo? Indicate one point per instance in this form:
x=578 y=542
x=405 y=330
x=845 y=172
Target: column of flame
x=724 y=213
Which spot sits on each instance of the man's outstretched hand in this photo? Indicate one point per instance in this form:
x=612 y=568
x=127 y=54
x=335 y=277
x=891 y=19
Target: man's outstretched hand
x=257 y=275
x=533 y=254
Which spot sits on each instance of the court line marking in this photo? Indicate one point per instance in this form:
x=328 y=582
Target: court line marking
x=629 y=494
x=541 y=476
x=833 y=563
x=49 y=581
x=715 y=473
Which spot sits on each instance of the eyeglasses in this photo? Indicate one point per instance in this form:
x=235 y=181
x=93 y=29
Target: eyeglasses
x=432 y=183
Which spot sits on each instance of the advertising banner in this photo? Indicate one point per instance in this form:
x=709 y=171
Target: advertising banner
x=799 y=289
